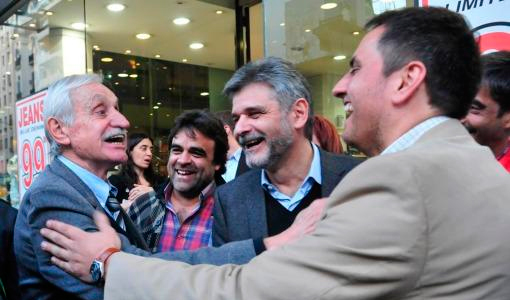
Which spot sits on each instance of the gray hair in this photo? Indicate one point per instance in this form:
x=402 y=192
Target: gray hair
x=58 y=103
x=287 y=83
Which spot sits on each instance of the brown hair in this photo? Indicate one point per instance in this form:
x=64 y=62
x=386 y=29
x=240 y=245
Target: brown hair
x=326 y=134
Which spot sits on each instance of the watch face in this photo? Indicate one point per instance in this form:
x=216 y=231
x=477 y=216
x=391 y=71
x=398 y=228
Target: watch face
x=95 y=271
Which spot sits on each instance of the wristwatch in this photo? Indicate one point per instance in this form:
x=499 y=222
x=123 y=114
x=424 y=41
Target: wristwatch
x=97 y=267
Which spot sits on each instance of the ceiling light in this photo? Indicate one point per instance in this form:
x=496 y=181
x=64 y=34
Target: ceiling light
x=329 y=5
x=49 y=13
x=308 y=30
x=204 y=94
x=282 y=24
x=157 y=56
x=79 y=25
x=133 y=75
x=96 y=47
x=196 y=46
x=137 y=64
x=106 y=59
x=143 y=98
x=181 y=21
x=15 y=35
x=7 y=73
x=340 y=57
x=127 y=51
x=355 y=33
x=184 y=60
x=143 y=36
x=159 y=103
x=155 y=107
x=116 y=83
x=122 y=75
x=109 y=75
x=219 y=12
x=31 y=25
x=116 y=7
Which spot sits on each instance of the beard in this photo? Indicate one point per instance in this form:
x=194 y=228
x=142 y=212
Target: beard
x=275 y=149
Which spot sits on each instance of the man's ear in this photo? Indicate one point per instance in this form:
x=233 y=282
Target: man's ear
x=505 y=119
x=299 y=112
x=58 y=131
x=407 y=81
x=227 y=129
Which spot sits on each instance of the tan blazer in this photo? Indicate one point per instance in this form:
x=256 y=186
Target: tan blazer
x=430 y=222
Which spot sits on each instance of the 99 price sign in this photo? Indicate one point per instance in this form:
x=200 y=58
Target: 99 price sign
x=32 y=160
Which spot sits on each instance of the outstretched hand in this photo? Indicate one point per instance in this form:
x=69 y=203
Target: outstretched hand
x=73 y=249
x=305 y=223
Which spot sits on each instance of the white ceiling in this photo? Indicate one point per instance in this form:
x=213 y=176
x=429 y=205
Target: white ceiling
x=115 y=32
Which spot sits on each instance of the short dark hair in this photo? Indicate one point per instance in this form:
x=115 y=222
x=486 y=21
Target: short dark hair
x=225 y=117
x=208 y=125
x=443 y=42
x=288 y=84
x=496 y=78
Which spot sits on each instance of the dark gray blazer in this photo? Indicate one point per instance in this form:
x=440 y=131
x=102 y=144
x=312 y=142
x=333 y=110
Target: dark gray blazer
x=57 y=193
x=240 y=211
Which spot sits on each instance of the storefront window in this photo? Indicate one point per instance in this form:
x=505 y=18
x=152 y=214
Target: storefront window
x=159 y=57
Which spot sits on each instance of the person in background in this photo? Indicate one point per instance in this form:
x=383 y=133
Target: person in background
x=137 y=175
x=488 y=119
x=236 y=159
x=325 y=135
x=8 y=271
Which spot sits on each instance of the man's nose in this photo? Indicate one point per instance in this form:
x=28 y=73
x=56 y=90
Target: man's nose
x=118 y=120
x=340 y=88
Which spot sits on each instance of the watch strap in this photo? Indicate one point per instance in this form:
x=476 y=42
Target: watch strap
x=106 y=254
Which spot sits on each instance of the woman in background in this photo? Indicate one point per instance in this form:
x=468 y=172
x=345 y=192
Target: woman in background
x=325 y=135
x=137 y=175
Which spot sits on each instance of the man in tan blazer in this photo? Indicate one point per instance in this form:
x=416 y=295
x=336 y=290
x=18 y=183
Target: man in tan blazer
x=427 y=218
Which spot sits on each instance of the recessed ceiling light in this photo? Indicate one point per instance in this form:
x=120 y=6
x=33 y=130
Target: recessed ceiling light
x=219 y=12
x=109 y=75
x=106 y=59
x=196 y=46
x=143 y=36
x=308 y=30
x=137 y=64
x=133 y=75
x=184 y=60
x=155 y=107
x=204 y=94
x=143 y=98
x=127 y=51
x=340 y=57
x=31 y=25
x=116 y=83
x=157 y=56
x=355 y=33
x=159 y=103
x=329 y=5
x=49 y=13
x=181 y=21
x=151 y=114
x=7 y=73
x=95 y=46
x=116 y=7
x=122 y=75
x=79 y=25
x=15 y=35
x=282 y=24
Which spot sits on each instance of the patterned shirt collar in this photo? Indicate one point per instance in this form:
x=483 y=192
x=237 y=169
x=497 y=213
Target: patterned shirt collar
x=410 y=137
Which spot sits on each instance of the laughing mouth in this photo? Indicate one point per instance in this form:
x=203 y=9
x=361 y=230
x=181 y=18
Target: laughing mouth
x=116 y=138
x=184 y=172
x=348 y=109
x=247 y=144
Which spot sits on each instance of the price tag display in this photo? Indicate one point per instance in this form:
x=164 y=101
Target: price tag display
x=33 y=148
